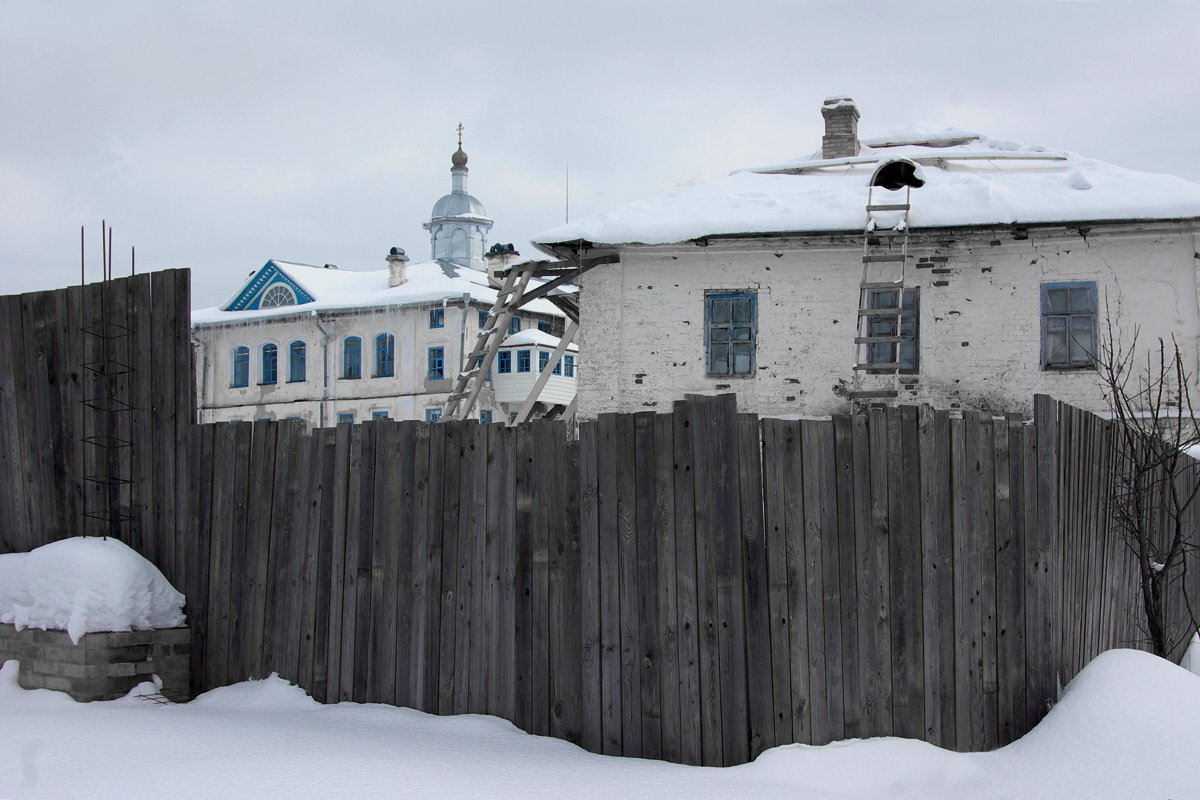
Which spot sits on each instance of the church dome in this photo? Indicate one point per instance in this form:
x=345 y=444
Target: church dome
x=459 y=159
x=457 y=204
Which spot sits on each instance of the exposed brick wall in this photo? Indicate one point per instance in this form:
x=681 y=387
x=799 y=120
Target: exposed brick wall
x=642 y=337
x=103 y=666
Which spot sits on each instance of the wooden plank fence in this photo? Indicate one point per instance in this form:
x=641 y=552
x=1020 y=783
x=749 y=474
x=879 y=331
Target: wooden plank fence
x=696 y=586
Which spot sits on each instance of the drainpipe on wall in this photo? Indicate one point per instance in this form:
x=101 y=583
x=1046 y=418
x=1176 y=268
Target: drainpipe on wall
x=203 y=359
x=324 y=369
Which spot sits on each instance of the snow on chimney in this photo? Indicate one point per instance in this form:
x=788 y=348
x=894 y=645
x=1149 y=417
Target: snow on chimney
x=397 y=263
x=499 y=258
x=841 y=128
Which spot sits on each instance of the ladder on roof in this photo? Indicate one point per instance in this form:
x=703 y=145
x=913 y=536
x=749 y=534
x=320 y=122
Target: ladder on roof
x=478 y=363
x=881 y=303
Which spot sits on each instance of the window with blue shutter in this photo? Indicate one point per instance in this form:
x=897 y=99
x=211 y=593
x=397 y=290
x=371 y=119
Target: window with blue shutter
x=297 y=362
x=241 y=367
x=352 y=357
x=730 y=320
x=270 y=363
x=437 y=363
x=385 y=355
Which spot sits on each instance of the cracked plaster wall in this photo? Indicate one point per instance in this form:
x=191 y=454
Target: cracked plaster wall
x=642 y=337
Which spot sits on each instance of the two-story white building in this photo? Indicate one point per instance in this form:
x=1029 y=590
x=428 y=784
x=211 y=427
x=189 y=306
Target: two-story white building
x=926 y=265
x=328 y=345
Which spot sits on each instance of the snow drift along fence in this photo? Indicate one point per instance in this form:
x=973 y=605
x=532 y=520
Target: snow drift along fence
x=696 y=586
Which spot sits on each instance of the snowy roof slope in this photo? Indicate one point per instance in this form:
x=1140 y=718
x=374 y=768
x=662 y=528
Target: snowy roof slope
x=970 y=180
x=532 y=336
x=332 y=289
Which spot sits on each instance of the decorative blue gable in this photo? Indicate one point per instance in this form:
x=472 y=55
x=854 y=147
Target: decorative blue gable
x=252 y=294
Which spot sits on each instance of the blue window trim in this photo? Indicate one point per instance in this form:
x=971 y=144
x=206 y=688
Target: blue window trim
x=379 y=415
x=522 y=361
x=352 y=358
x=437 y=364
x=504 y=362
x=514 y=324
x=1088 y=362
x=485 y=416
x=543 y=360
x=385 y=355
x=345 y=416
x=710 y=326
x=433 y=415
x=270 y=364
x=569 y=365
x=241 y=367
x=483 y=318
x=544 y=326
x=437 y=317
x=297 y=362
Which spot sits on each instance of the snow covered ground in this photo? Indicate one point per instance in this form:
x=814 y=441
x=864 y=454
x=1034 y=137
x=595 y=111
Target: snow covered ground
x=1127 y=727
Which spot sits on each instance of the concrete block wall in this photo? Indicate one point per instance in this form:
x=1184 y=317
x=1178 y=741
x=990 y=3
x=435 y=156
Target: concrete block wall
x=642 y=334
x=103 y=666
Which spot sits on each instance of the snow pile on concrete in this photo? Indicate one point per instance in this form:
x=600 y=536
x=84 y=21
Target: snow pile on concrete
x=1127 y=727
x=82 y=585
x=974 y=180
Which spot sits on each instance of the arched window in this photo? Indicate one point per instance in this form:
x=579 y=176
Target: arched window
x=352 y=357
x=278 y=295
x=385 y=355
x=270 y=363
x=298 y=363
x=241 y=367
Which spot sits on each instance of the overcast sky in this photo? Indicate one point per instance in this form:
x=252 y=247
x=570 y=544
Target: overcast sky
x=217 y=135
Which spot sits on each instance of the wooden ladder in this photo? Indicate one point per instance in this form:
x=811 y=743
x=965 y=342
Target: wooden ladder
x=885 y=263
x=478 y=363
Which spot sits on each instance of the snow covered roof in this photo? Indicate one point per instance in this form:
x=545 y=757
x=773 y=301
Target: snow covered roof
x=970 y=179
x=533 y=336
x=332 y=289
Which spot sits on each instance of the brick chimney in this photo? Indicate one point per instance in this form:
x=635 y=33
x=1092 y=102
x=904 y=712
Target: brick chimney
x=397 y=263
x=841 y=128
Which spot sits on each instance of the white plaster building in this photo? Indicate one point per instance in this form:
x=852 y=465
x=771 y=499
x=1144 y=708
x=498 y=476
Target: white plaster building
x=1019 y=258
x=326 y=345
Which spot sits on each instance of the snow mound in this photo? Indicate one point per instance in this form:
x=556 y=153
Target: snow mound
x=272 y=693
x=86 y=584
x=1191 y=657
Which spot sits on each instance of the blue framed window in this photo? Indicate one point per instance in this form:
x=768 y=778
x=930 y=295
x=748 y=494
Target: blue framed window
x=903 y=326
x=297 y=362
x=379 y=415
x=1069 y=325
x=522 y=361
x=543 y=360
x=730 y=323
x=437 y=363
x=270 y=363
x=437 y=317
x=569 y=365
x=504 y=361
x=514 y=324
x=345 y=416
x=485 y=416
x=433 y=415
x=385 y=355
x=352 y=357
x=544 y=327
x=483 y=318
x=241 y=367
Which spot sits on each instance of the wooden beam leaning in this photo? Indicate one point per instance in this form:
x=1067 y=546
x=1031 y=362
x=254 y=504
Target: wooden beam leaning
x=555 y=357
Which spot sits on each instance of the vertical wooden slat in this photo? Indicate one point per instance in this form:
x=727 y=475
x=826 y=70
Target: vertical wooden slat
x=759 y=678
x=775 y=528
x=626 y=534
x=648 y=645
x=797 y=593
x=610 y=586
x=874 y=583
x=905 y=561
x=687 y=585
x=853 y=683
x=668 y=590
x=590 y=598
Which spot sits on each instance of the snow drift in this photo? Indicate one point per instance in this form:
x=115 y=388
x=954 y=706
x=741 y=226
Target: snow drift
x=86 y=584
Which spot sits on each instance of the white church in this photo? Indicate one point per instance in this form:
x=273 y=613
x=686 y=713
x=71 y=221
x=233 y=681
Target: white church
x=326 y=345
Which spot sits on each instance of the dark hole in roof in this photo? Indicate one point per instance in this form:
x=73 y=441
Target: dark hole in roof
x=897 y=174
